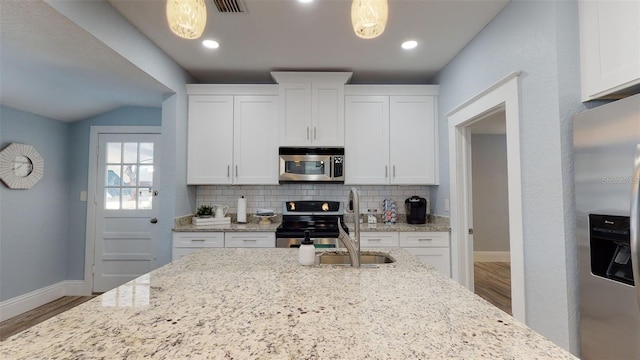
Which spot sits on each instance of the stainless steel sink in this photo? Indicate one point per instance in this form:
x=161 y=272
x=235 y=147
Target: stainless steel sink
x=342 y=258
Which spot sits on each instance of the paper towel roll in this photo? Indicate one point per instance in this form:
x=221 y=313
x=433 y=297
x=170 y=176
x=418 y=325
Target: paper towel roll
x=242 y=210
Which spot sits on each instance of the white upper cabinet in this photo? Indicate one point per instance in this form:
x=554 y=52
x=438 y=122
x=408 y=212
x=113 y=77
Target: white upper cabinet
x=311 y=108
x=391 y=139
x=210 y=139
x=232 y=135
x=367 y=146
x=609 y=48
x=255 y=149
x=412 y=140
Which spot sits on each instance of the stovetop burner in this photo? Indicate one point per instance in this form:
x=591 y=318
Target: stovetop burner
x=320 y=218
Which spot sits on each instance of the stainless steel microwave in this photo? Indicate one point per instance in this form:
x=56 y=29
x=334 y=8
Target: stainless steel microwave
x=316 y=165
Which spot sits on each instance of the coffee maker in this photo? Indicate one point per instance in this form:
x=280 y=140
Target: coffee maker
x=417 y=209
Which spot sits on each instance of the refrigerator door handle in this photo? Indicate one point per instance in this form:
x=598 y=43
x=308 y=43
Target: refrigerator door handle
x=635 y=222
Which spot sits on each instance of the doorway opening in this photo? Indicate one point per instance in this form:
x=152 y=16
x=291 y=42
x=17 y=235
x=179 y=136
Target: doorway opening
x=500 y=97
x=490 y=209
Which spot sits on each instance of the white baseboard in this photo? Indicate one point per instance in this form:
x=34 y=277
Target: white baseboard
x=76 y=288
x=491 y=256
x=23 y=303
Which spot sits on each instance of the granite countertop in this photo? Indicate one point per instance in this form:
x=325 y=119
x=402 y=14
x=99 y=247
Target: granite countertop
x=260 y=303
x=227 y=228
x=437 y=224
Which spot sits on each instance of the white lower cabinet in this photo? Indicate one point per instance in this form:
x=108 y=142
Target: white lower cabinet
x=430 y=247
x=250 y=239
x=378 y=239
x=187 y=242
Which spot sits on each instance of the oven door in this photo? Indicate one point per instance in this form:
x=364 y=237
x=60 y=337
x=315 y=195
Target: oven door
x=321 y=243
x=300 y=168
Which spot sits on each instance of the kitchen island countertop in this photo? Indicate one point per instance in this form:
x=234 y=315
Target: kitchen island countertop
x=260 y=303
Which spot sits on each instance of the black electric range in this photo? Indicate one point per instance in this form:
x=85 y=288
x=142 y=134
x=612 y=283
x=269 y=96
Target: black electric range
x=319 y=218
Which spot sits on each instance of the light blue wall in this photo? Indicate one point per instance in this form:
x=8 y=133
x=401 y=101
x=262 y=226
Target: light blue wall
x=34 y=223
x=79 y=169
x=541 y=39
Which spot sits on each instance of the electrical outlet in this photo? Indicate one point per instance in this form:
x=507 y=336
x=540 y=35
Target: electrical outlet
x=83 y=195
x=446 y=205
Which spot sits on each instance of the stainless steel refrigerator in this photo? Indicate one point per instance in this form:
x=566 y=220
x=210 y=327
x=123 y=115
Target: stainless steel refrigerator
x=606 y=143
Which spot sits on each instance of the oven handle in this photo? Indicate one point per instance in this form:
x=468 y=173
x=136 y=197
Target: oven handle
x=635 y=222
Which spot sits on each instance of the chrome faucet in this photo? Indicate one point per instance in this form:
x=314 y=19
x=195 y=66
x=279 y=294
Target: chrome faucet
x=352 y=244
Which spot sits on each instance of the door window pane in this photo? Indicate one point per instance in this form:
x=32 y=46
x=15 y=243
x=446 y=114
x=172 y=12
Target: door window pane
x=130 y=153
x=128 y=184
x=129 y=198
x=146 y=153
x=114 y=152
x=112 y=198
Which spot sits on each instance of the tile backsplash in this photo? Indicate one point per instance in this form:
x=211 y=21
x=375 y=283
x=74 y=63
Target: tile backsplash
x=272 y=196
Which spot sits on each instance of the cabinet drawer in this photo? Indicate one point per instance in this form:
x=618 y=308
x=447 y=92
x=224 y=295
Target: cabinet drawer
x=250 y=239
x=198 y=239
x=177 y=253
x=378 y=239
x=424 y=239
x=439 y=258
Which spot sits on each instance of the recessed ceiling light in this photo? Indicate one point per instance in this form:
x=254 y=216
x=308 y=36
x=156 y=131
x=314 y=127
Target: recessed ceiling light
x=305 y=1
x=211 y=44
x=409 y=44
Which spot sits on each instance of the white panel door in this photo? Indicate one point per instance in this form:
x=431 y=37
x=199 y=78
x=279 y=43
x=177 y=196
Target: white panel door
x=327 y=114
x=255 y=140
x=126 y=208
x=367 y=140
x=412 y=140
x=210 y=141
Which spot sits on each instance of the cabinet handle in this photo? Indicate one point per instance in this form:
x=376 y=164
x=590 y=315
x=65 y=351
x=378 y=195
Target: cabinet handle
x=236 y=170
x=394 y=171
x=249 y=240
x=386 y=171
x=228 y=170
x=314 y=133
x=375 y=239
x=427 y=239
x=197 y=239
x=307 y=133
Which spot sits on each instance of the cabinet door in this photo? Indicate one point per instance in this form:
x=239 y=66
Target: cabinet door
x=188 y=242
x=424 y=239
x=366 y=140
x=210 y=139
x=250 y=239
x=374 y=239
x=255 y=140
x=439 y=258
x=294 y=114
x=327 y=114
x=412 y=140
x=609 y=46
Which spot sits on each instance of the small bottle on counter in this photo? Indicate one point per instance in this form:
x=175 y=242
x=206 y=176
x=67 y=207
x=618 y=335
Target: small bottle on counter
x=307 y=254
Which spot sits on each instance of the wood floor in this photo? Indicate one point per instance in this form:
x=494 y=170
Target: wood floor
x=492 y=282
x=30 y=318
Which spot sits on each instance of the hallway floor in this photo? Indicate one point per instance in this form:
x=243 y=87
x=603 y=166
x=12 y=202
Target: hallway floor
x=492 y=282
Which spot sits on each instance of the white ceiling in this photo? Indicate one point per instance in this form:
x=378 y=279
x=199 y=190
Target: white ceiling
x=51 y=67
x=288 y=35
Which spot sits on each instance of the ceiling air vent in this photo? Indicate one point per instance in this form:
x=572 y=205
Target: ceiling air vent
x=230 y=6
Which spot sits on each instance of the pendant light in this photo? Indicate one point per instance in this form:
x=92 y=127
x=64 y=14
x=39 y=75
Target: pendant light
x=187 y=18
x=369 y=17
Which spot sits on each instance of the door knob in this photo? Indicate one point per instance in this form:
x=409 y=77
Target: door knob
x=153 y=220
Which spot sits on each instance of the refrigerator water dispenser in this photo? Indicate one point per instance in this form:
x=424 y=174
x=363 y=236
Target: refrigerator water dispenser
x=609 y=238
